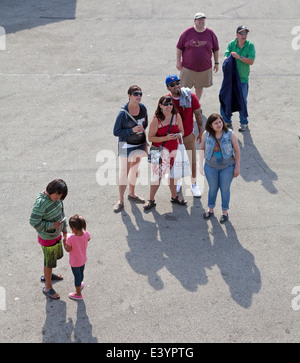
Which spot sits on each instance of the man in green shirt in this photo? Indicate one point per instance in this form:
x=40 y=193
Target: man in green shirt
x=244 y=52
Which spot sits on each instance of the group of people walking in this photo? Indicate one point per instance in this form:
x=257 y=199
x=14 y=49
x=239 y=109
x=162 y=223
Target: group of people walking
x=173 y=121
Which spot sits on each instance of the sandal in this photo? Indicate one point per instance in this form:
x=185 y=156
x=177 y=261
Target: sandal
x=50 y=293
x=207 y=214
x=54 y=277
x=149 y=204
x=177 y=201
x=118 y=207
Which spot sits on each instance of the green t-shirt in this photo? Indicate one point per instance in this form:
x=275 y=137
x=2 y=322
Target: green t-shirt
x=248 y=51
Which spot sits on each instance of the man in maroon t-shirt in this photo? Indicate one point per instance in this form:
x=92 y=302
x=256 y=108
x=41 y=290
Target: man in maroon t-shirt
x=194 y=51
x=187 y=105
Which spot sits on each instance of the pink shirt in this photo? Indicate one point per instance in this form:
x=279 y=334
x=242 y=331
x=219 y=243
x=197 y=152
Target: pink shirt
x=77 y=255
x=197 y=49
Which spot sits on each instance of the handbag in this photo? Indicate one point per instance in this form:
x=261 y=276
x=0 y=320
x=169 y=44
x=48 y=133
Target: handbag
x=154 y=156
x=181 y=167
x=135 y=138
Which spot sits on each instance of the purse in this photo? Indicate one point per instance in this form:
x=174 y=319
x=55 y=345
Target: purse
x=135 y=138
x=154 y=156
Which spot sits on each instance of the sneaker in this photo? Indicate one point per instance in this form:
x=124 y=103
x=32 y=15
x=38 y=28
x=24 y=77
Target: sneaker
x=73 y=296
x=195 y=190
x=224 y=218
x=178 y=188
x=243 y=127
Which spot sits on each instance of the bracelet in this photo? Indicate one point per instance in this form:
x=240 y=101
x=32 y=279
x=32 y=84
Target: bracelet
x=216 y=63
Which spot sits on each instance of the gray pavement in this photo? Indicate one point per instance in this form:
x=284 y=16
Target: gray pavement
x=168 y=275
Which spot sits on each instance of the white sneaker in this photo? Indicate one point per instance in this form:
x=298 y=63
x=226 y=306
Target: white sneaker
x=195 y=190
x=178 y=186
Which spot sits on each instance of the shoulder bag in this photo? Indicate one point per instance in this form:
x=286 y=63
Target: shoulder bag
x=135 y=138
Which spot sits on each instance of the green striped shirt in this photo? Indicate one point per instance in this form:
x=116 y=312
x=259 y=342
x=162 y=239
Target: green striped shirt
x=44 y=214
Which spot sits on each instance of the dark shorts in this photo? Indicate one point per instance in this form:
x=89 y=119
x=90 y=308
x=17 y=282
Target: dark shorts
x=52 y=254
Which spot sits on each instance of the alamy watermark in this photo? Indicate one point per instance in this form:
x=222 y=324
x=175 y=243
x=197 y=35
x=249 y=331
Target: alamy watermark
x=2 y=298
x=296 y=299
x=142 y=174
x=296 y=40
x=2 y=38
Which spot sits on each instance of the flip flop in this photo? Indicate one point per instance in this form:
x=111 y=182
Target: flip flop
x=50 y=293
x=54 y=277
x=118 y=207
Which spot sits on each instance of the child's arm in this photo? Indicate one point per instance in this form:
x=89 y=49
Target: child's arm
x=67 y=247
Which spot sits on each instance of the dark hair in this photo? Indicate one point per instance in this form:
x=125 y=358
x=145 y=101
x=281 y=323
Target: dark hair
x=133 y=88
x=213 y=117
x=158 y=112
x=57 y=186
x=77 y=222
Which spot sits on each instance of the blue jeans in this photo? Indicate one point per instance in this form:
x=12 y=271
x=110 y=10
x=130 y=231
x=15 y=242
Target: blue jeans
x=219 y=179
x=245 y=88
x=78 y=274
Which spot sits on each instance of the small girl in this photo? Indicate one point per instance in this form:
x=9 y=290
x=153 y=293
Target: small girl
x=76 y=245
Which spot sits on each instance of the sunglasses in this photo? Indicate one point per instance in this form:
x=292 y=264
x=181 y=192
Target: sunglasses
x=137 y=93
x=243 y=33
x=173 y=84
x=167 y=103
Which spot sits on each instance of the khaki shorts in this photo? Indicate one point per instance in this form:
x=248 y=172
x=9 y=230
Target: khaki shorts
x=190 y=146
x=190 y=78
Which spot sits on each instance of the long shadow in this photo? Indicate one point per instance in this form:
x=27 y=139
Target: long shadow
x=236 y=264
x=146 y=253
x=186 y=244
x=58 y=330
x=253 y=166
x=17 y=15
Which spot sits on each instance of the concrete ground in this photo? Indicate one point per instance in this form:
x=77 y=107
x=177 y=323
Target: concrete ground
x=167 y=275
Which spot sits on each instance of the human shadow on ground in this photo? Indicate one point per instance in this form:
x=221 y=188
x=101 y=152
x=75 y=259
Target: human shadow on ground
x=58 y=330
x=253 y=167
x=236 y=264
x=17 y=15
x=181 y=243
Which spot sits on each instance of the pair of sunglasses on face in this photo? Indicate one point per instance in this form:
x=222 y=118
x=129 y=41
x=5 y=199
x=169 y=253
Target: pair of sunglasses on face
x=173 y=84
x=167 y=102
x=137 y=93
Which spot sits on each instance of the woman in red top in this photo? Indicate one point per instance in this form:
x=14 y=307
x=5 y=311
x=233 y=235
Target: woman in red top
x=159 y=133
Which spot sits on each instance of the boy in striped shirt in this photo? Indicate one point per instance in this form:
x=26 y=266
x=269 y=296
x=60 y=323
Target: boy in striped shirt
x=49 y=221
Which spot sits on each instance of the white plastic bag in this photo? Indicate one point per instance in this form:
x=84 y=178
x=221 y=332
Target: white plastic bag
x=181 y=167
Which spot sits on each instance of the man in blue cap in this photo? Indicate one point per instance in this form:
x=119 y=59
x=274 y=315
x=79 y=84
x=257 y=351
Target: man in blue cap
x=187 y=105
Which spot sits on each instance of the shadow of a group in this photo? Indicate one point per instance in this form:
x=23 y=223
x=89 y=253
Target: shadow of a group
x=183 y=244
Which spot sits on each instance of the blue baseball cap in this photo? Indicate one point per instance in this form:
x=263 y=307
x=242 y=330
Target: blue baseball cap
x=171 y=79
